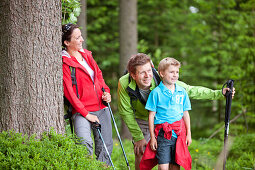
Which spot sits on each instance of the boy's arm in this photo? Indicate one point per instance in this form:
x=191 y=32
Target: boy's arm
x=199 y=92
x=153 y=143
x=186 y=118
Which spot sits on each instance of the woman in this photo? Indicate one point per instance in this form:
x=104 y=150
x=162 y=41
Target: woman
x=88 y=105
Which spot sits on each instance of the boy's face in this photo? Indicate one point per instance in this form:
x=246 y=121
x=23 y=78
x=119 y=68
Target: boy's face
x=170 y=75
x=143 y=76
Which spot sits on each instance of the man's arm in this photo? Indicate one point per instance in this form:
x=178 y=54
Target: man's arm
x=126 y=112
x=199 y=92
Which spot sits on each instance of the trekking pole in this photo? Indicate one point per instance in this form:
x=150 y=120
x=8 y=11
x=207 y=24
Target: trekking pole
x=97 y=126
x=117 y=132
x=230 y=85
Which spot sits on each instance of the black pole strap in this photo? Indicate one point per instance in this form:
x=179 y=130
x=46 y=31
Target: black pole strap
x=228 y=95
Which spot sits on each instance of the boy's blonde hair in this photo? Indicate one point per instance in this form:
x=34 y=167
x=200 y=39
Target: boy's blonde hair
x=166 y=62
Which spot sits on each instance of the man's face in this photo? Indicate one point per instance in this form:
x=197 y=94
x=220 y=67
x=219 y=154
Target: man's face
x=143 y=76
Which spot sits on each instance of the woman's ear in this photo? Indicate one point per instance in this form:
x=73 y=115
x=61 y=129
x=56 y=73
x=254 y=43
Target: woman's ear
x=66 y=42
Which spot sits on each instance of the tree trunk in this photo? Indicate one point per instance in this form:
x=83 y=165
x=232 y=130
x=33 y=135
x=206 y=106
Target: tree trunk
x=128 y=31
x=82 y=21
x=128 y=40
x=31 y=89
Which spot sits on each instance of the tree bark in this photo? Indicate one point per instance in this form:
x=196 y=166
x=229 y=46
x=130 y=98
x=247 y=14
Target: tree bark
x=128 y=31
x=31 y=89
x=82 y=21
x=128 y=40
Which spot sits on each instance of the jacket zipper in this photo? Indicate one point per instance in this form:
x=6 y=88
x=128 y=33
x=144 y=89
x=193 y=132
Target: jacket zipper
x=97 y=95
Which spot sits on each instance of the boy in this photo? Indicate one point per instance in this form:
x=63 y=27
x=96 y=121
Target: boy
x=168 y=106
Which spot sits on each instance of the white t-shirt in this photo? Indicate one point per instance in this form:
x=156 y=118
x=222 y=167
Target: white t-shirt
x=87 y=67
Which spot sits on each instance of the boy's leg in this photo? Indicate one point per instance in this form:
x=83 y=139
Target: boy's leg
x=82 y=129
x=163 y=166
x=106 y=131
x=174 y=167
x=165 y=151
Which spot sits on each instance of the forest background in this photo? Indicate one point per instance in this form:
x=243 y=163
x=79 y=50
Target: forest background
x=214 y=41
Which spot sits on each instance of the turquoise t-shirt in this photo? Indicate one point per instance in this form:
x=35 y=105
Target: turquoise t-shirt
x=169 y=107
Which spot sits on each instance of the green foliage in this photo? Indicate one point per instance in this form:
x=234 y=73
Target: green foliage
x=205 y=153
x=214 y=42
x=70 y=11
x=52 y=151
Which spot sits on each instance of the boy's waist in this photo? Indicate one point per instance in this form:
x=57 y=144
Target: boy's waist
x=168 y=128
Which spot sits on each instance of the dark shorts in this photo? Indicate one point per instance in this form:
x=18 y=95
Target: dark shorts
x=166 y=149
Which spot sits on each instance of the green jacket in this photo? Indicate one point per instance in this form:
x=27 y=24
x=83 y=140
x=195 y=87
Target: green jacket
x=137 y=109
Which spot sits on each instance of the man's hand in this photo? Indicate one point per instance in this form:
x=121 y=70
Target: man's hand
x=224 y=91
x=139 y=146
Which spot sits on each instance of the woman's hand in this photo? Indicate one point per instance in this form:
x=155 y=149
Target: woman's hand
x=92 y=118
x=106 y=97
x=153 y=144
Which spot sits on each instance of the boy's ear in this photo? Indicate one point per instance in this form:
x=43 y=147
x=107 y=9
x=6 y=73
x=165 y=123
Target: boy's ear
x=161 y=74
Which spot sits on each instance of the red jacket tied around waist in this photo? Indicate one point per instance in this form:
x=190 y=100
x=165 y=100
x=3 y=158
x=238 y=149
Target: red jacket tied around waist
x=182 y=155
x=90 y=93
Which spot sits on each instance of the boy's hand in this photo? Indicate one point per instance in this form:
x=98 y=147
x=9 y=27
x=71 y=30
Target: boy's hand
x=153 y=144
x=188 y=139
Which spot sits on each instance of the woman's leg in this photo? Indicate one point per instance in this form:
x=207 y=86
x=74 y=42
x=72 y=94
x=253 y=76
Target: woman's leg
x=106 y=131
x=82 y=129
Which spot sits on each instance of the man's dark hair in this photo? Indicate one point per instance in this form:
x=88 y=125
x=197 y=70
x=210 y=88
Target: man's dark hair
x=137 y=60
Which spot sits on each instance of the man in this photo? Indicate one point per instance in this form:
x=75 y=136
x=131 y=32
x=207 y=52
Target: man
x=133 y=92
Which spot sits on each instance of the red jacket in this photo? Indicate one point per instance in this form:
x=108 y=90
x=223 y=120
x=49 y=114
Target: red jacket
x=90 y=93
x=182 y=155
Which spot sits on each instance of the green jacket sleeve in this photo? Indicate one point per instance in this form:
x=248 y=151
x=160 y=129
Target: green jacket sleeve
x=199 y=92
x=126 y=112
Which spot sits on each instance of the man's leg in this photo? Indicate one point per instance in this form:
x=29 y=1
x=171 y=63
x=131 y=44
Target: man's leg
x=138 y=159
x=144 y=126
x=82 y=129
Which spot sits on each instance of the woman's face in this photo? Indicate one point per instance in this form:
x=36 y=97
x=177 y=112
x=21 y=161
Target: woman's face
x=75 y=43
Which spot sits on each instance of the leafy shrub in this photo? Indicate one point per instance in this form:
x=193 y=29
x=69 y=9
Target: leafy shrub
x=52 y=151
x=205 y=153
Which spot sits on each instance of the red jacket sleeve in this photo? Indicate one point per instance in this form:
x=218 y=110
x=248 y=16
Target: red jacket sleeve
x=70 y=94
